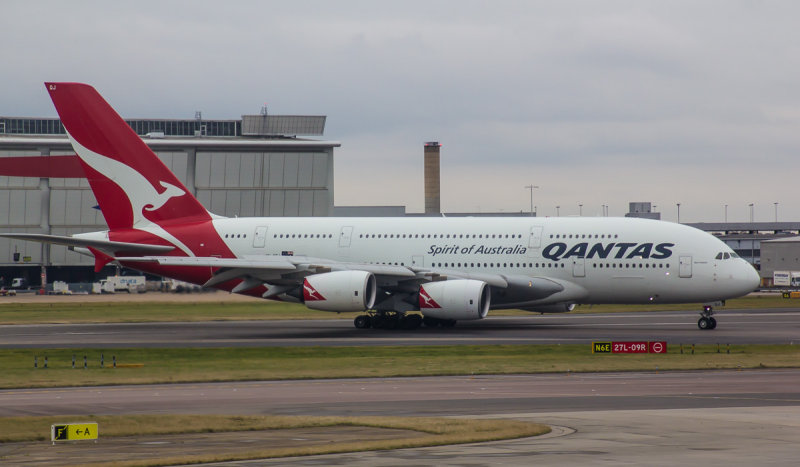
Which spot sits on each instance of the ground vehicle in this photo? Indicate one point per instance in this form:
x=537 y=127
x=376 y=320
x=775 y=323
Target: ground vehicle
x=130 y=284
x=19 y=283
x=61 y=288
x=176 y=286
x=786 y=279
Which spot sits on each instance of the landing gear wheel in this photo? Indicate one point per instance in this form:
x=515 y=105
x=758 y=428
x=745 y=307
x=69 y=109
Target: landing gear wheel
x=362 y=321
x=430 y=322
x=411 y=321
x=378 y=321
x=707 y=321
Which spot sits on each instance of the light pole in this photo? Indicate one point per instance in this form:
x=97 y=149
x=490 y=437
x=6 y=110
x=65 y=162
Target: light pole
x=580 y=210
x=679 y=212
x=531 y=187
x=726 y=213
x=776 y=211
x=558 y=211
x=751 y=212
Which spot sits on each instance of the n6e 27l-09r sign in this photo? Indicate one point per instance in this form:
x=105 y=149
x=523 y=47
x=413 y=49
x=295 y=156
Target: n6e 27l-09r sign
x=447 y=269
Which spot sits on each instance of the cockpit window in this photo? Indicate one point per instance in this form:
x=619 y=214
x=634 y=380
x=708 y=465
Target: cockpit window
x=734 y=255
x=726 y=256
x=719 y=256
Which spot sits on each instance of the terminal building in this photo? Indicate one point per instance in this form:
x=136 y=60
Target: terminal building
x=261 y=165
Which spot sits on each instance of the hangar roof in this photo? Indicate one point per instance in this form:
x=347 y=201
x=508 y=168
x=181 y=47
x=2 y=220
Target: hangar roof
x=32 y=142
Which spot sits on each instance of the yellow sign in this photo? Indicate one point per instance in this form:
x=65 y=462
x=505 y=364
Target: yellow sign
x=73 y=431
x=601 y=347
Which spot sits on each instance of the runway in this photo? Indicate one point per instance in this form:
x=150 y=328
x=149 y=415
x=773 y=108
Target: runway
x=711 y=418
x=769 y=326
x=420 y=396
x=702 y=417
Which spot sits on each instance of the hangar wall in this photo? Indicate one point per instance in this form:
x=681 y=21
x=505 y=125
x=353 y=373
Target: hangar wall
x=231 y=177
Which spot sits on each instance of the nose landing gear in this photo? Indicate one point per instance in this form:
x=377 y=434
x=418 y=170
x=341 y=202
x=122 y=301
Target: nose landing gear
x=707 y=321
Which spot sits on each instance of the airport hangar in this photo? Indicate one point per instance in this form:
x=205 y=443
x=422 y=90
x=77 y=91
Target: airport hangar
x=256 y=166
x=253 y=166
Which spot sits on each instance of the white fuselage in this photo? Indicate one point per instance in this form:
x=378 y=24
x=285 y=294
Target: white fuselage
x=616 y=260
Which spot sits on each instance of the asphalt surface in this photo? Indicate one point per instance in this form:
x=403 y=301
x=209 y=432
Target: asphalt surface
x=701 y=417
x=705 y=418
x=771 y=326
x=436 y=396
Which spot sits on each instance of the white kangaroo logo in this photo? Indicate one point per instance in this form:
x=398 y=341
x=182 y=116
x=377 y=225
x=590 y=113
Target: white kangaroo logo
x=171 y=192
x=312 y=293
x=141 y=194
x=429 y=303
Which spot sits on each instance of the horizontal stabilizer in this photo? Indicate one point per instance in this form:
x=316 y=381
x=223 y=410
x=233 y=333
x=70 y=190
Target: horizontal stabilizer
x=106 y=246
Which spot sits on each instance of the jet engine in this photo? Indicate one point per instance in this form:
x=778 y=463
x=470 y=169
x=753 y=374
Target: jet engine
x=340 y=291
x=455 y=299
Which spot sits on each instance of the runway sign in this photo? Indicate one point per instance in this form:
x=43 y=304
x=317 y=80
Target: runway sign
x=601 y=347
x=629 y=347
x=73 y=431
x=657 y=347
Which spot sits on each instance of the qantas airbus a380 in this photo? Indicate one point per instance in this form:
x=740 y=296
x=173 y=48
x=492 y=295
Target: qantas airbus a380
x=448 y=269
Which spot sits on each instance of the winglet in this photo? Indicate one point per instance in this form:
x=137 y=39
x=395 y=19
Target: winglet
x=100 y=259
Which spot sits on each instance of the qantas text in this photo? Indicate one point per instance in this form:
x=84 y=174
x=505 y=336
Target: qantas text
x=556 y=251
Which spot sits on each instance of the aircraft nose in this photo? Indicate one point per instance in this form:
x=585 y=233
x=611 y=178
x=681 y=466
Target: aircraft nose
x=749 y=279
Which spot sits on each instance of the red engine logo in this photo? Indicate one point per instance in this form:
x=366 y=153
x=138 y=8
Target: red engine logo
x=425 y=300
x=310 y=294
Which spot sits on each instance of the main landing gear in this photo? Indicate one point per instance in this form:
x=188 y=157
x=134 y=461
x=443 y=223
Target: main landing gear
x=707 y=321
x=394 y=320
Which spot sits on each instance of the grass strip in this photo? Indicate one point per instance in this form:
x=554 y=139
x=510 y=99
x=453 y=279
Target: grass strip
x=117 y=310
x=422 y=432
x=179 y=365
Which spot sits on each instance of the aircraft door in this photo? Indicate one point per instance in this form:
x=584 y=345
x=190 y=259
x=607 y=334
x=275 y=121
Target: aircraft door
x=260 y=237
x=685 y=266
x=535 y=241
x=578 y=267
x=345 y=236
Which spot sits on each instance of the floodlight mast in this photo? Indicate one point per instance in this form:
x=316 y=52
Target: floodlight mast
x=531 y=187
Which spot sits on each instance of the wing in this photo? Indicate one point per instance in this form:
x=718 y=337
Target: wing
x=398 y=286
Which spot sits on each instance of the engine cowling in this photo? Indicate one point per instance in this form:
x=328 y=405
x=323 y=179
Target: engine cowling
x=340 y=291
x=464 y=299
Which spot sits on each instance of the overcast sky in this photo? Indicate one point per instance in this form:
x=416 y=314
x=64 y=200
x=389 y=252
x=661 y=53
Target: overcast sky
x=596 y=102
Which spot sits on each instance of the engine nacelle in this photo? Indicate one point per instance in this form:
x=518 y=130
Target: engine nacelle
x=456 y=299
x=340 y=291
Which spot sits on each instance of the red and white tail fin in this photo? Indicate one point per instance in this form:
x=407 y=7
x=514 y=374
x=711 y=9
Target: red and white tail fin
x=131 y=184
